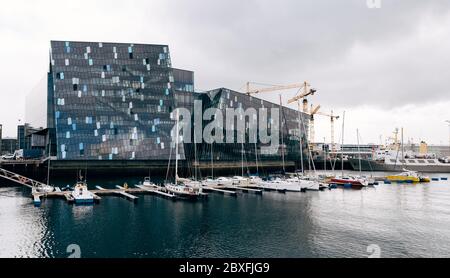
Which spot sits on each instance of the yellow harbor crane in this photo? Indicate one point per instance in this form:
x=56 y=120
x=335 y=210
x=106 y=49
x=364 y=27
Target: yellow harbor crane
x=332 y=121
x=313 y=111
x=304 y=87
x=304 y=90
x=307 y=91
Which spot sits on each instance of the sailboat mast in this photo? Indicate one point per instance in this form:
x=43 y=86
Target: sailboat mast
x=256 y=156
x=300 y=136
x=342 y=145
x=242 y=158
x=359 y=151
x=49 y=159
x=281 y=134
x=212 y=161
x=176 y=149
x=324 y=155
x=403 y=155
x=195 y=157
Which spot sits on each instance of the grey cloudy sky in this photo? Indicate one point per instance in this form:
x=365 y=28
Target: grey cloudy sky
x=386 y=67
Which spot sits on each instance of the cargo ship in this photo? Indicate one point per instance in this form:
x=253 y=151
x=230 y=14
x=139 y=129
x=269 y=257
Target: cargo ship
x=397 y=165
x=394 y=158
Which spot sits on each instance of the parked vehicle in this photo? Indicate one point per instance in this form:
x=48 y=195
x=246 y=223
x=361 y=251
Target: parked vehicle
x=8 y=157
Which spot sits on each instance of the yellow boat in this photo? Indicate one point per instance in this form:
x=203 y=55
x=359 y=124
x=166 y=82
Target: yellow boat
x=406 y=177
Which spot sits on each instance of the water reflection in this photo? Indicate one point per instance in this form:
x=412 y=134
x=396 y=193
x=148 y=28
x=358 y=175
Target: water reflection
x=404 y=220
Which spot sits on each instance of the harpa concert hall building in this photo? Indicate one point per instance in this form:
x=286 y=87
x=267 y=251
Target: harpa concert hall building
x=109 y=106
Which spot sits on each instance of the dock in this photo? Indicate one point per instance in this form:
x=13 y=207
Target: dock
x=100 y=191
x=156 y=191
x=218 y=190
x=123 y=193
x=247 y=190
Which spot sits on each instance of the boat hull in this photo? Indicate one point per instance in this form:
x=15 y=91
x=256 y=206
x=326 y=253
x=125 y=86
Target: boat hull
x=370 y=165
x=347 y=183
x=84 y=201
x=403 y=179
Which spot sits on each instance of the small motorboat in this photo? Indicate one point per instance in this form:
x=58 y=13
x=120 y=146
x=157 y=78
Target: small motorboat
x=305 y=184
x=351 y=182
x=147 y=182
x=209 y=182
x=408 y=177
x=243 y=181
x=81 y=194
x=272 y=185
x=44 y=189
x=223 y=181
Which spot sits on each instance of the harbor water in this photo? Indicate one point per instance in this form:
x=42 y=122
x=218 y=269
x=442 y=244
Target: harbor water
x=398 y=220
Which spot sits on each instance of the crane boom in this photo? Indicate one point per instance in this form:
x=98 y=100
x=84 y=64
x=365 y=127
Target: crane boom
x=332 y=119
x=328 y=115
x=273 y=88
x=315 y=110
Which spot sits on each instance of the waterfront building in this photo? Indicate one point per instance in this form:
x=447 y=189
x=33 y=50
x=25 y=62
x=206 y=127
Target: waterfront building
x=288 y=127
x=8 y=145
x=111 y=103
x=24 y=135
x=183 y=80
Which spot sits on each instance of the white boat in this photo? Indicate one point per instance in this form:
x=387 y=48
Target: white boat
x=44 y=189
x=253 y=180
x=209 y=182
x=147 y=182
x=240 y=181
x=302 y=184
x=223 y=181
x=184 y=188
x=81 y=194
x=289 y=185
x=275 y=185
x=184 y=191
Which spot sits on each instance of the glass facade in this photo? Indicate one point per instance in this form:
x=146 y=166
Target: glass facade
x=113 y=101
x=110 y=101
x=21 y=136
x=231 y=152
x=184 y=80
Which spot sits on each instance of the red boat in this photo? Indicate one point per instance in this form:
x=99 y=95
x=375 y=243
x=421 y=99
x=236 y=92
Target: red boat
x=355 y=183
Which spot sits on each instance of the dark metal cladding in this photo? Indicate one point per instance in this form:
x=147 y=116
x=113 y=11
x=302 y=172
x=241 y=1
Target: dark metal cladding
x=111 y=101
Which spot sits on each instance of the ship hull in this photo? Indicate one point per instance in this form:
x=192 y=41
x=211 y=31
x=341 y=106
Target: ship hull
x=372 y=166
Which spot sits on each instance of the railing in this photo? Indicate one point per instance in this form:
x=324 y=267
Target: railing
x=20 y=179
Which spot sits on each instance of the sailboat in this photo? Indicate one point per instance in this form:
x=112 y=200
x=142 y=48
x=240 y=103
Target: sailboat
x=347 y=181
x=371 y=180
x=299 y=183
x=306 y=182
x=184 y=188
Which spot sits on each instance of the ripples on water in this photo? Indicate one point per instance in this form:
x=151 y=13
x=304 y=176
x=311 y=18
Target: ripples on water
x=403 y=220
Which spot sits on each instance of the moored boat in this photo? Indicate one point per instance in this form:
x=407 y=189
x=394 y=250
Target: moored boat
x=184 y=191
x=147 y=182
x=81 y=194
x=355 y=183
x=407 y=177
